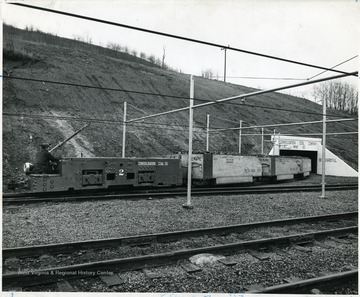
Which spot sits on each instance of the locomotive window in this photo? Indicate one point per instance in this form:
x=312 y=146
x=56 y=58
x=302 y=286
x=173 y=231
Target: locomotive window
x=110 y=176
x=130 y=175
x=89 y=172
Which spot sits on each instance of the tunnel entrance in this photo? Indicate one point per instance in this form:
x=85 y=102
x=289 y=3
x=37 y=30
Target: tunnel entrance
x=313 y=155
x=311 y=148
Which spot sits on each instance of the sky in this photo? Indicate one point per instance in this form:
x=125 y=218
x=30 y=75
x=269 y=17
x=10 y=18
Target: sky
x=324 y=33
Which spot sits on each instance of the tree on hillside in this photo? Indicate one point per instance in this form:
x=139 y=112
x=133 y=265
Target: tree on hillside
x=163 y=57
x=338 y=95
x=208 y=73
x=114 y=46
x=152 y=59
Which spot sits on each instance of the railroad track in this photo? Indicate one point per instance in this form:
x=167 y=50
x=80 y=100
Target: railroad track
x=322 y=283
x=26 y=277
x=23 y=198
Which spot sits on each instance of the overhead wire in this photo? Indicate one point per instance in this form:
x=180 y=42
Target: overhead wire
x=147 y=124
x=333 y=67
x=93 y=120
x=268 y=78
x=288 y=78
x=157 y=94
x=172 y=36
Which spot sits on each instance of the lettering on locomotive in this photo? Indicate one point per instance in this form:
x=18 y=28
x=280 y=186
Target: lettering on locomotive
x=146 y=163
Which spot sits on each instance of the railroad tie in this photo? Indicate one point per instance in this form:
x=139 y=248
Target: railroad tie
x=258 y=255
x=228 y=262
x=323 y=245
x=190 y=268
x=302 y=248
x=340 y=240
x=253 y=288
x=64 y=286
x=112 y=280
x=151 y=274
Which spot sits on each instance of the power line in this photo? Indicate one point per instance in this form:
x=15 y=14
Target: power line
x=301 y=134
x=143 y=124
x=332 y=67
x=269 y=78
x=36 y=116
x=173 y=36
x=138 y=109
x=155 y=94
x=93 y=87
x=284 y=124
x=242 y=97
x=92 y=120
x=287 y=78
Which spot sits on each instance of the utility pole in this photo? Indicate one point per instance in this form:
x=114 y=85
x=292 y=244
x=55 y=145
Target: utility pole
x=240 y=137
x=323 y=150
x=224 y=49
x=124 y=132
x=188 y=204
x=262 y=141
x=207 y=131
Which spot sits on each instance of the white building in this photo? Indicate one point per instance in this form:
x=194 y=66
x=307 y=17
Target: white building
x=311 y=148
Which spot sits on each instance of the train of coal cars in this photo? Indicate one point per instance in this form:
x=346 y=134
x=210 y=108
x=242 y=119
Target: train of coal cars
x=207 y=169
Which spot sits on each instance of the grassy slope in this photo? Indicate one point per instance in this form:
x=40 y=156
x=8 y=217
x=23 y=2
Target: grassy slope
x=52 y=58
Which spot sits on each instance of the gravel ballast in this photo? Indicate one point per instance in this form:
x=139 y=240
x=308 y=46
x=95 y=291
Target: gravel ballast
x=282 y=263
x=75 y=221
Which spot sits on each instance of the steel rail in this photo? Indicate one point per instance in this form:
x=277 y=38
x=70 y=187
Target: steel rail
x=159 y=190
x=69 y=247
x=169 y=193
x=50 y=275
x=305 y=286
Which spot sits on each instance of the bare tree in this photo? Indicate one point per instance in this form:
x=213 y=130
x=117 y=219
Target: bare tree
x=158 y=62
x=338 y=95
x=114 y=46
x=163 y=57
x=208 y=73
x=151 y=59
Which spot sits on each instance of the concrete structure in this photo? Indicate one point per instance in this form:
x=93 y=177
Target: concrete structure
x=311 y=148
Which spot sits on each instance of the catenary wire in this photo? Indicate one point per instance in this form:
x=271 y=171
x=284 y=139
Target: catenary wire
x=288 y=78
x=155 y=94
x=135 y=124
x=333 y=67
x=259 y=77
x=172 y=36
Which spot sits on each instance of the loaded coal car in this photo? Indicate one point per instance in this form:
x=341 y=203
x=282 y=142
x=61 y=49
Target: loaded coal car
x=216 y=169
x=100 y=173
x=277 y=168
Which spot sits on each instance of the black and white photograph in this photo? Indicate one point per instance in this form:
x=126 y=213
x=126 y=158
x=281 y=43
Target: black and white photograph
x=179 y=148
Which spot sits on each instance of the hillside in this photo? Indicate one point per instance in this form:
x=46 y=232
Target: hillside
x=45 y=57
